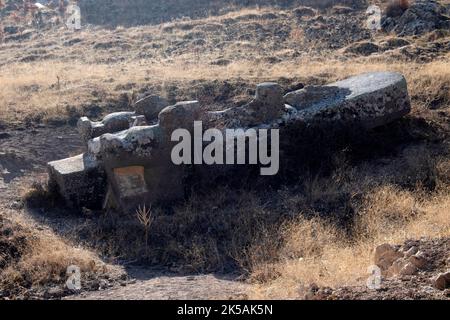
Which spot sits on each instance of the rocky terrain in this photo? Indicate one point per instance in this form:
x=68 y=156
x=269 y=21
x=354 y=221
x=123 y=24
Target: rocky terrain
x=390 y=186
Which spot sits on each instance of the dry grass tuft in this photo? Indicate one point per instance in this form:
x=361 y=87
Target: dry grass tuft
x=36 y=258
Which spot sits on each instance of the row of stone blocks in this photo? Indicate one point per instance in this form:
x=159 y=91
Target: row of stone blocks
x=128 y=159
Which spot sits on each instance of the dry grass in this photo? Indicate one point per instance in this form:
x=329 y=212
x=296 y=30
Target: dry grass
x=106 y=67
x=31 y=89
x=37 y=258
x=317 y=251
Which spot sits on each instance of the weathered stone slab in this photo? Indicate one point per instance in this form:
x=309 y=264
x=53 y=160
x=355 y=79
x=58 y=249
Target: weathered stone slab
x=80 y=180
x=113 y=122
x=369 y=100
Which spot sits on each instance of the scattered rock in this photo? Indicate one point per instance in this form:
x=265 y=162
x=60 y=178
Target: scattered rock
x=396 y=8
x=11 y=29
x=408 y=269
x=442 y=281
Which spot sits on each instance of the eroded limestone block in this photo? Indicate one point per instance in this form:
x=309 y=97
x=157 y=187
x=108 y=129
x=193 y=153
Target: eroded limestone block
x=113 y=122
x=80 y=180
x=368 y=100
x=150 y=106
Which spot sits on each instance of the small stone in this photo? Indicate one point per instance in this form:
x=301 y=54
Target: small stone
x=396 y=267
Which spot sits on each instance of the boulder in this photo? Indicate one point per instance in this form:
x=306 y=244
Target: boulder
x=368 y=101
x=150 y=106
x=80 y=180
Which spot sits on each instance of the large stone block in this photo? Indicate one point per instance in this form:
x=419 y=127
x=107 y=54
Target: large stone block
x=368 y=100
x=79 y=180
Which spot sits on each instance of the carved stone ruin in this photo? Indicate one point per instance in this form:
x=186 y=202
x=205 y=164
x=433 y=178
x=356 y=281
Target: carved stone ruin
x=128 y=163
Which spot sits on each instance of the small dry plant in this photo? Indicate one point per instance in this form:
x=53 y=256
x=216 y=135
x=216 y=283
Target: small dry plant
x=146 y=219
